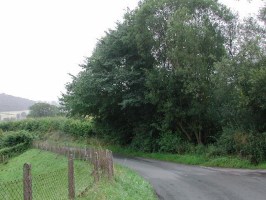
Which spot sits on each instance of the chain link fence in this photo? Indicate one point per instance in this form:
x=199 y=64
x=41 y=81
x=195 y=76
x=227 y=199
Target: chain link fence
x=84 y=168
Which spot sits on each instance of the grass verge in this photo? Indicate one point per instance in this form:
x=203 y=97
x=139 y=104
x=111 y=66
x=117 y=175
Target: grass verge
x=191 y=159
x=49 y=178
x=126 y=186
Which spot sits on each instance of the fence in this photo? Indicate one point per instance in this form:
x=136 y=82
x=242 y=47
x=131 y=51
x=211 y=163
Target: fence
x=3 y=158
x=84 y=168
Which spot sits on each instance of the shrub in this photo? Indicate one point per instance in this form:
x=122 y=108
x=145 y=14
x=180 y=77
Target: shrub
x=145 y=139
x=11 y=139
x=173 y=143
x=14 y=150
x=214 y=151
x=143 y=142
x=245 y=144
x=14 y=143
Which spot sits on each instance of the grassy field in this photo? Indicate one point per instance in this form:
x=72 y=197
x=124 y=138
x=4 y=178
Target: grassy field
x=49 y=178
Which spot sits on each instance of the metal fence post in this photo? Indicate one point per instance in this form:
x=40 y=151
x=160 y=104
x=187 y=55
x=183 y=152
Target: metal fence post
x=71 y=180
x=27 y=184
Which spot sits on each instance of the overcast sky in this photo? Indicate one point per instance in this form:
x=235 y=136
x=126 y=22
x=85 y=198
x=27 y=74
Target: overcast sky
x=41 y=41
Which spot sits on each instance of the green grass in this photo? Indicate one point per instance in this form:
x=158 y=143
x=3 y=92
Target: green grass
x=49 y=178
x=126 y=186
x=42 y=162
x=191 y=159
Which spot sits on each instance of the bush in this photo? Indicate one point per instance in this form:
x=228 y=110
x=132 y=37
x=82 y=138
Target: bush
x=14 y=150
x=173 y=143
x=14 y=143
x=215 y=151
x=143 y=142
x=11 y=139
x=144 y=139
x=244 y=144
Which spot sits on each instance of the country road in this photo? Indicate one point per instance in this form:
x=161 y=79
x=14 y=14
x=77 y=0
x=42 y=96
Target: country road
x=181 y=182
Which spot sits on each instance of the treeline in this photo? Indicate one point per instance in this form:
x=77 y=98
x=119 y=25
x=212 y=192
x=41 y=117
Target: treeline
x=176 y=73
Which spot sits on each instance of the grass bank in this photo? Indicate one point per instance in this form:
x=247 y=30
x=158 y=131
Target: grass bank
x=49 y=177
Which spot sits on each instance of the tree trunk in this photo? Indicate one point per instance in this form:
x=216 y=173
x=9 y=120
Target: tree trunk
x=184 y=131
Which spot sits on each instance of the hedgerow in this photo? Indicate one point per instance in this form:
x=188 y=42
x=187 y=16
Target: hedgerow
x=69 y=126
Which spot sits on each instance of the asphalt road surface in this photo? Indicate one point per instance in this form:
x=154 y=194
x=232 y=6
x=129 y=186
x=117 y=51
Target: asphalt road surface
x=181 y=182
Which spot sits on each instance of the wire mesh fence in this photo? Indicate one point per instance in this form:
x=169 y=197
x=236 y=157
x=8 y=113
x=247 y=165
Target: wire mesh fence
x=11 y=190
x=83 y=179
x=88 y=166
x=50 y=186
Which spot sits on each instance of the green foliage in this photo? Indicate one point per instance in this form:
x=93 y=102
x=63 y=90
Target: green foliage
x=14 y=150
x=43 y=110
x=228 y=162
x=14 y=143
x=245 y=144
x=176 y=73
x=192 y=158
x=73 y=127
x=215 y=151
x=10 y=139
x=120 y=84
x=173 y=143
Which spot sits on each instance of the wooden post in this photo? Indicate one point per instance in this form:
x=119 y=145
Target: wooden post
x=91 y=156
x=111 y=163
x=71 y=180
x=110 y=166
x=27 y=184
x=106 y=162
x=96 y=167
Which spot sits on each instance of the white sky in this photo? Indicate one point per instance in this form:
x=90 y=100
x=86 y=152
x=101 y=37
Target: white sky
x=41 y=41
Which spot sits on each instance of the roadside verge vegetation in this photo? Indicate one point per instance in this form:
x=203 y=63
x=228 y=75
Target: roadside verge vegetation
x=233 y=149
x=126 y=185
x=16 y=138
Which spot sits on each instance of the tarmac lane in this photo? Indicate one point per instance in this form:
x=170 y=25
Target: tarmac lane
x=183 y=182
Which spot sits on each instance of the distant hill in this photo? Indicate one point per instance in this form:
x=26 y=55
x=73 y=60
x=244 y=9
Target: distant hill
x=11 y=103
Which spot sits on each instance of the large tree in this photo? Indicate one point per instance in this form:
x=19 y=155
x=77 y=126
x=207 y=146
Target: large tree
x=43 y=110
x=239 y=81
x=158 y=72
x=111 y=86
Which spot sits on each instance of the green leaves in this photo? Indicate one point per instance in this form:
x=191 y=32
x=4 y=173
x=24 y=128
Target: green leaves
x=176 y=66
x=43 y=110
